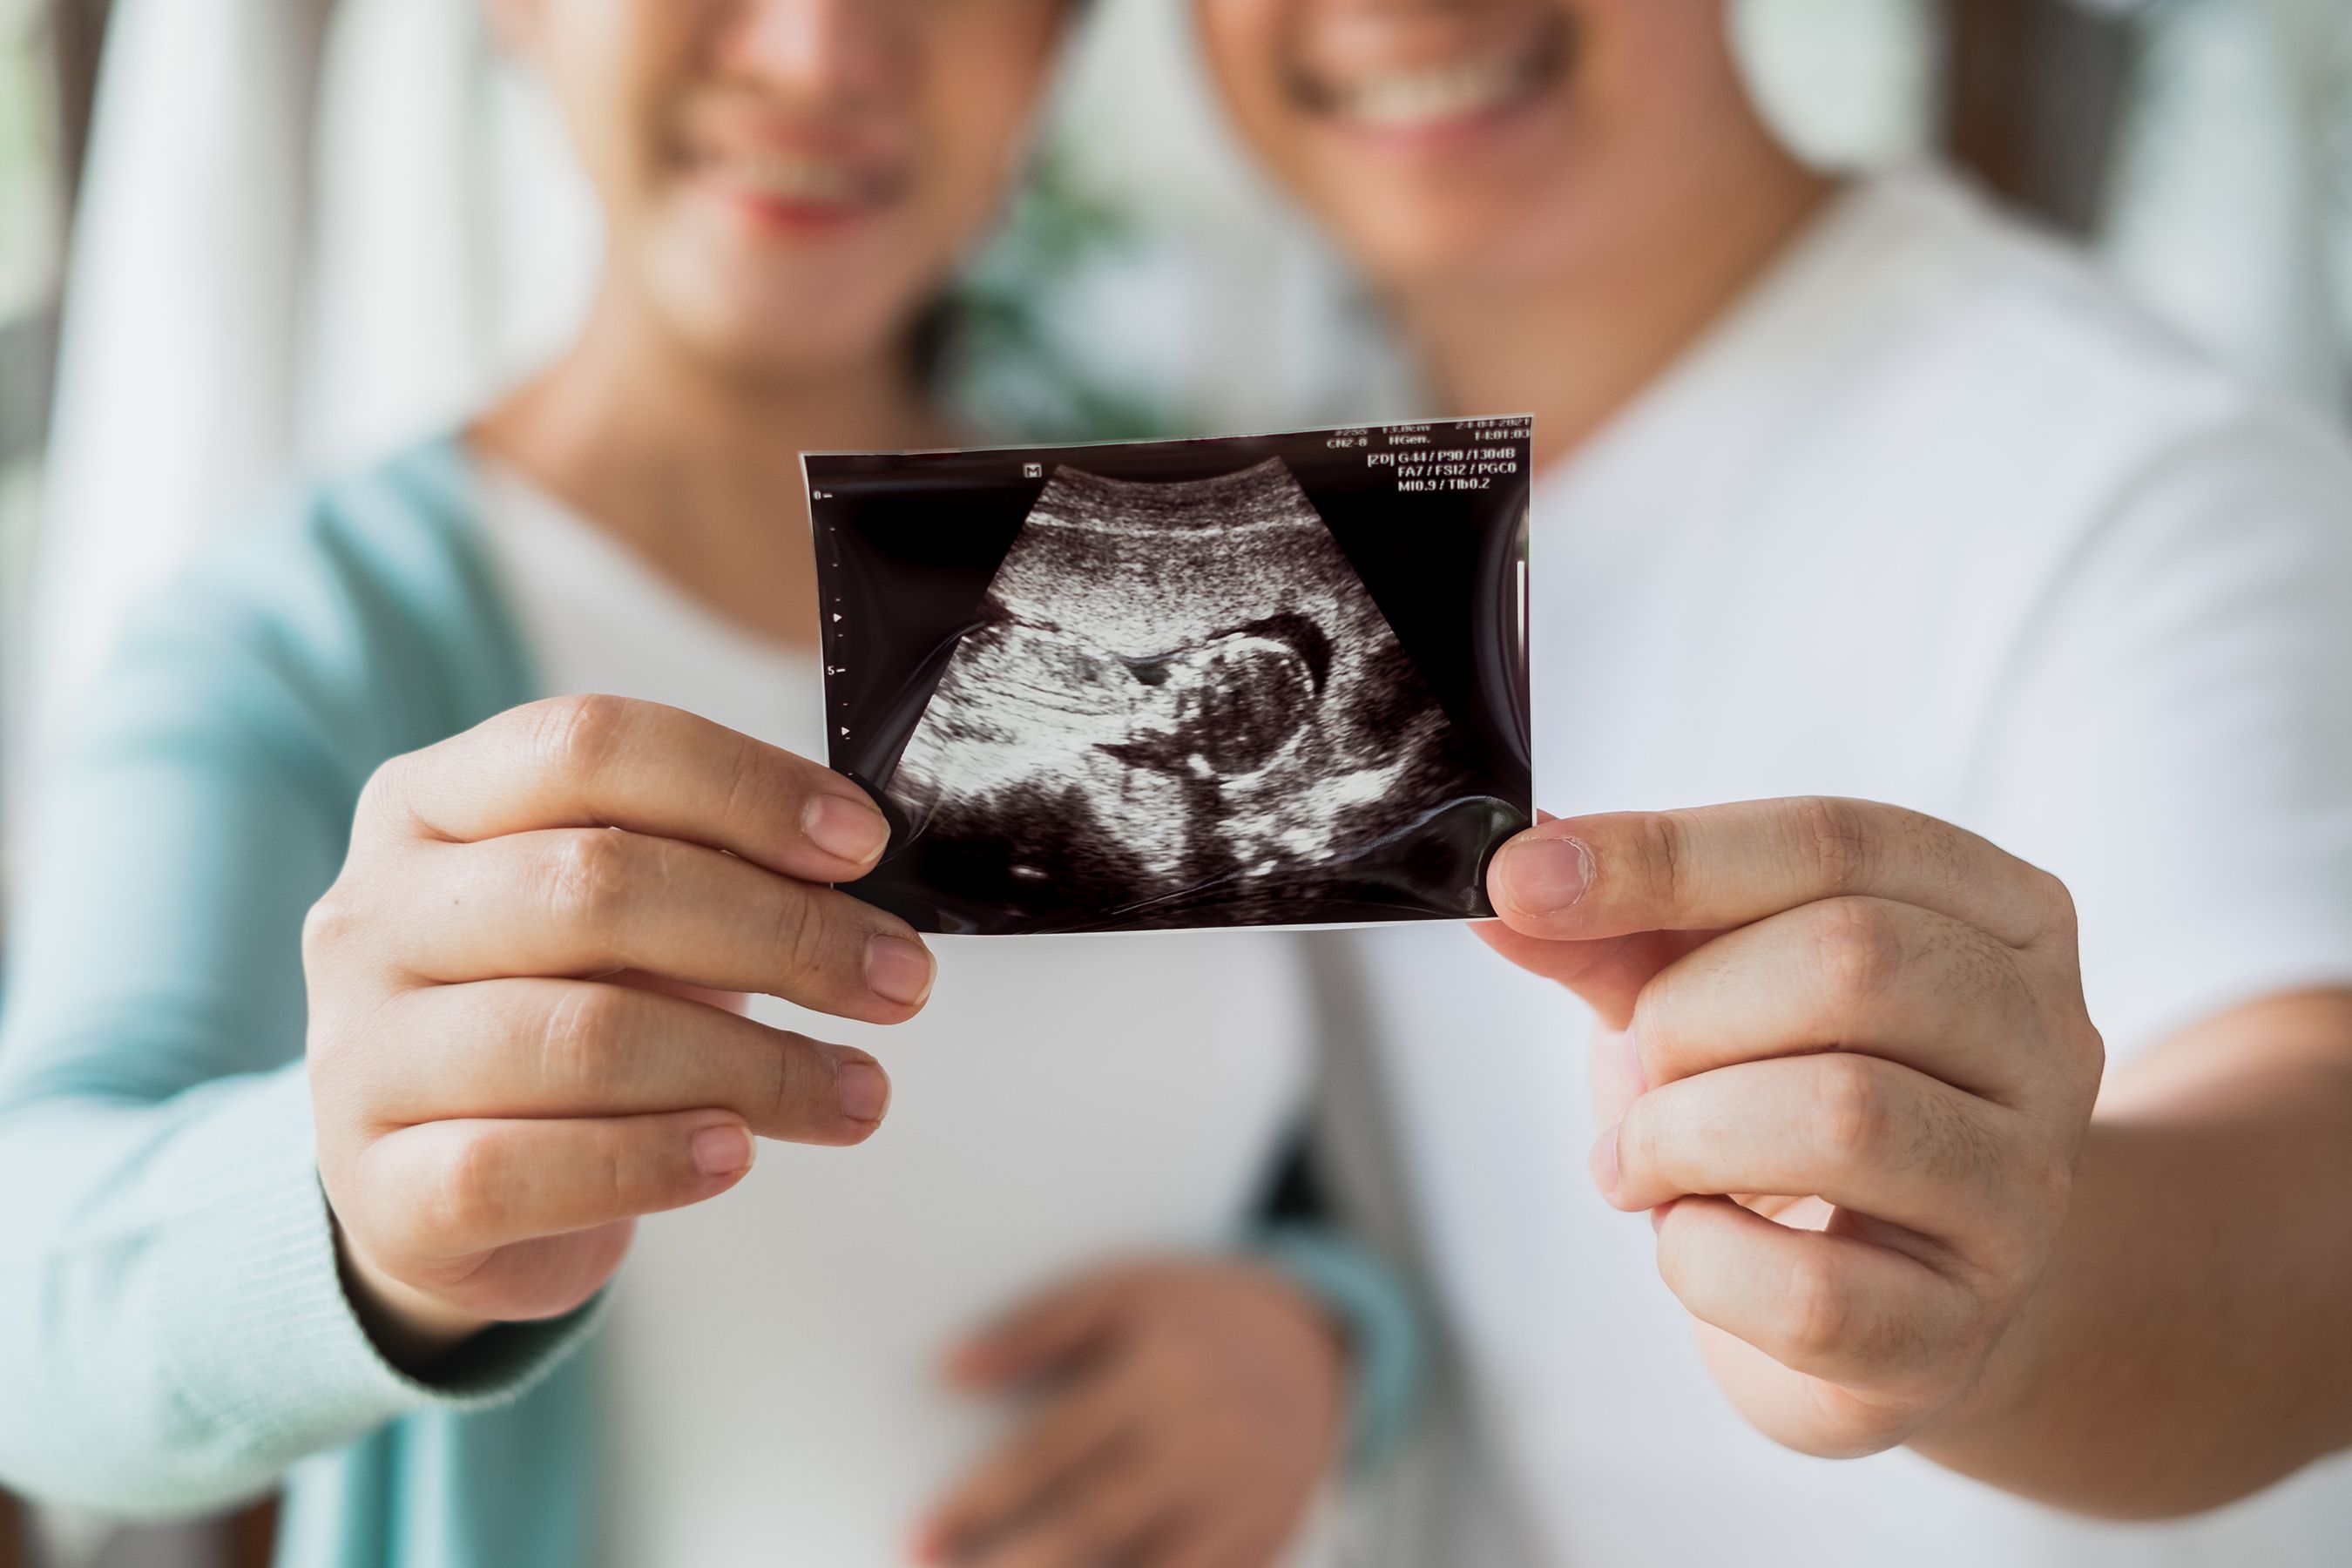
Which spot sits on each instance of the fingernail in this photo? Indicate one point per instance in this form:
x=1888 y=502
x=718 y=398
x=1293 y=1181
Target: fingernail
x=847 y=828
x=1544 y=876
x=899 y=971
x=722 y=1151
x=1604 y=1164
x=864 y=1090
x=1636 y=1074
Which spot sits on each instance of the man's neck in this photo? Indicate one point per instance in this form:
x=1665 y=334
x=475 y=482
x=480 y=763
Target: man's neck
x=696 y=468
x=1576 y=345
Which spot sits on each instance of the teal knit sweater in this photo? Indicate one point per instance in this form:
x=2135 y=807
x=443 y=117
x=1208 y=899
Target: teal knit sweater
x=174 y=1335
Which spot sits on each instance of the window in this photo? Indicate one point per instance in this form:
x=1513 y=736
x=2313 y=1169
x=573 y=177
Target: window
x=48 y=54
x=31 y=214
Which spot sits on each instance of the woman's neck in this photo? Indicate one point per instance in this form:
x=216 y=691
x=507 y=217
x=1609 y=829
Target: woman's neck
x=1576 y=345
x=696 y=469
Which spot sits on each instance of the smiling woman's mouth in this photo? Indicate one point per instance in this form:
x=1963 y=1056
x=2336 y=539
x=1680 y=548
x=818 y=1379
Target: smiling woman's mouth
x=787 y=180
x=1435 y=95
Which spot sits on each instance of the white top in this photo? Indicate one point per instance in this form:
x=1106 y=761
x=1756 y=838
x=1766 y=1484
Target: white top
x=772 y=1356
x=1932 y=520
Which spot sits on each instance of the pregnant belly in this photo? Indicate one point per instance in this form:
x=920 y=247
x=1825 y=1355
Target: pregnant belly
x=772 y=1366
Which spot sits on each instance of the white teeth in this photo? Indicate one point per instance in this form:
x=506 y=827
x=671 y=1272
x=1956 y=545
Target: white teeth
x=790 y=177
x=1404 y=98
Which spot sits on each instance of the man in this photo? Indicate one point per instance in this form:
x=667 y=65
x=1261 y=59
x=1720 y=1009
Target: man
x=1854 y=495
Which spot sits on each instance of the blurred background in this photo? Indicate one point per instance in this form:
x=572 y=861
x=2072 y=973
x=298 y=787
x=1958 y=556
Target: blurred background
x=245 y=240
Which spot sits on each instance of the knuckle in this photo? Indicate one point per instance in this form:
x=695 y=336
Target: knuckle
x=634 y=1177
x=384 y=796
x=799 y=935
x=791 y=1093
x=589 y=874
x=2005 y=1256
x=330 y=923
x=2060 y=916
x=1958 y=1149
x=754 y=792
x=1835 y=839
x=1657 y=1028
x=470 y=1196
x=1859 y=953
x=577 y=1039
x=2088 y=1047
x=1817 y=1316
x=1662 y=854
x=1639 y=1140
x=1850 y=1112
x=578 y=737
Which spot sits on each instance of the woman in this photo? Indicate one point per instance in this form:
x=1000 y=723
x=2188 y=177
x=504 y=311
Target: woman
x=524 y=1030
x=1856 y=493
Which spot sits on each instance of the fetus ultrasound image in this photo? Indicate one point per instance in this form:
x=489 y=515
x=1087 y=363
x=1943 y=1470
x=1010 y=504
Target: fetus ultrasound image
x=1275 y=680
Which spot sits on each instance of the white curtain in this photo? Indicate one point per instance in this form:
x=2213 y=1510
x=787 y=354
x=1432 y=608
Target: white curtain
x=301 y=243
x=456 y=242
x=176 y=388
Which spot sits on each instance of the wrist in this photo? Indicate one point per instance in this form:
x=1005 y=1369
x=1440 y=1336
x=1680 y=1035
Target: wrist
x=1376 y=1325
x=411 y=1330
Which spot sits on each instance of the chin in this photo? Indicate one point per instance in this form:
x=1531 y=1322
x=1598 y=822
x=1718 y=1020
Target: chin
x=1406 y=246
x=804 y=342
x=811 y=324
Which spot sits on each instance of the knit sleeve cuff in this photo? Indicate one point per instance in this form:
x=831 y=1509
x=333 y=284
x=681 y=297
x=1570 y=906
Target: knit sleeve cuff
x=1382 y=1324
x=266 y=1354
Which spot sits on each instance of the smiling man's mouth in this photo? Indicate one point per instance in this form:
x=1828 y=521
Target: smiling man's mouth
x=1426 y=97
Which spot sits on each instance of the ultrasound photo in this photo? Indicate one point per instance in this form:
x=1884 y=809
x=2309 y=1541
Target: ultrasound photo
x=1261 y=682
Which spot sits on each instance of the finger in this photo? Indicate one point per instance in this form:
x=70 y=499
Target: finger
x=1723 y=866
x=583 y=901
x=1613 y=1069
x=504 y=1049
x=1861 y=975
x=610 y=762
x=1049 y=1331
x=1819 y=1303
x=734 y=1001
x=1068 y=1434
x=1862 y=1133
x=454 y=1189
x=1608 y=972
x=1202 y=1540
x=1101 y=1516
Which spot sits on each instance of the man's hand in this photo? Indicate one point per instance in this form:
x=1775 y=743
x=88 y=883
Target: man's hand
x=1193 y=1409
x=515 y=1046
x=1844 y=1058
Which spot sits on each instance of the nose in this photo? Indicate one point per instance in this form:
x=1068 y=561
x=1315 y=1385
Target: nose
x=819 y=52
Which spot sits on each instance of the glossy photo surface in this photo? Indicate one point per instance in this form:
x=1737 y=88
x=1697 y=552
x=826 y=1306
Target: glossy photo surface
x=1257 y=681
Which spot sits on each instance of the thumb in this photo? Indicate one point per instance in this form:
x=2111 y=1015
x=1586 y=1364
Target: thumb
x=1049 y=1332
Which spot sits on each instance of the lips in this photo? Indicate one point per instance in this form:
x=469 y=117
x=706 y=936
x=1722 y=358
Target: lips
x=1480 y=82
x=788 y=165
x=790 y=177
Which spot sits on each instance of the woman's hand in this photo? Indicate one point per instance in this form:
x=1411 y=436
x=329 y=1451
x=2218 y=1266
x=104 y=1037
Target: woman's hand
x=1191 y=1410
x=509 y=1057
x=1845 y=1063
